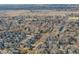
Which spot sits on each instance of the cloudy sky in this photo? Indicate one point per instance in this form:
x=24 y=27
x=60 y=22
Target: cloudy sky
x=38 y=1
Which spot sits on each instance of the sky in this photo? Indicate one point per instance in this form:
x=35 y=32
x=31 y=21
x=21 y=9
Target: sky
x=39 y=2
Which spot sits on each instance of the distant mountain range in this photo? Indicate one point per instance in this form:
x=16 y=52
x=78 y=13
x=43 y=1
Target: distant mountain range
x=37 y=6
